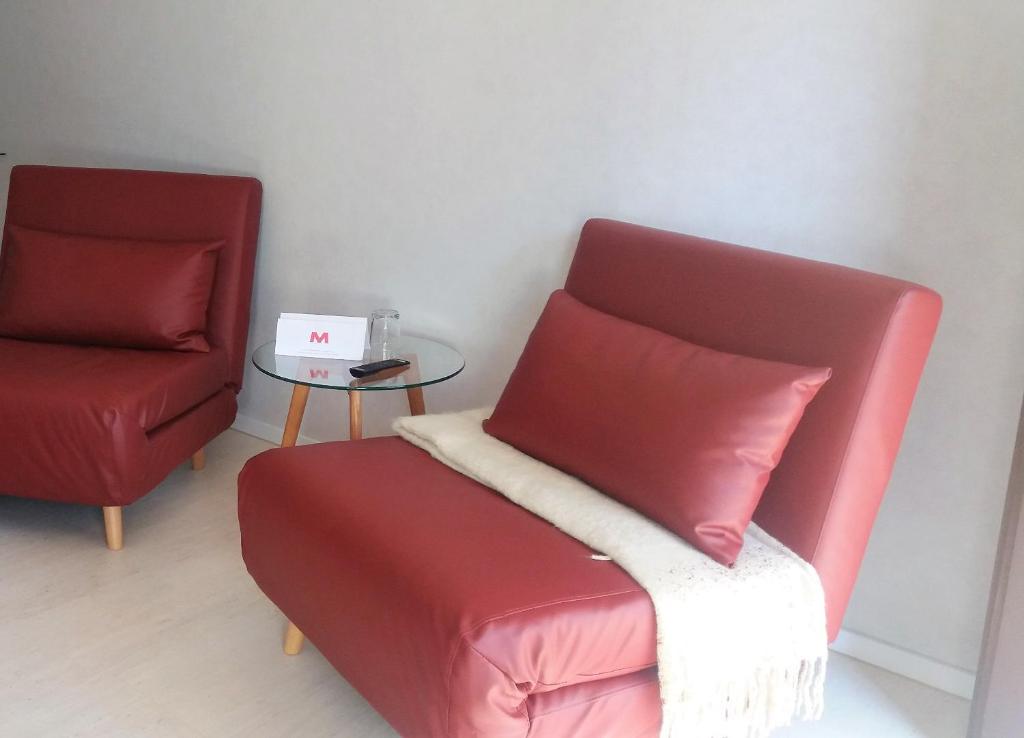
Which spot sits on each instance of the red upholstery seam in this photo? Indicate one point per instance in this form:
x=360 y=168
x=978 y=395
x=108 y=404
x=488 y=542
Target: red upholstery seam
x=621 y=670
x=154 y=429
x=588 y=701
x=625 y=669
x=462 y=639
x=522 y=704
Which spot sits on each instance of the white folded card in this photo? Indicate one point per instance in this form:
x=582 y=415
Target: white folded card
x=321 y=336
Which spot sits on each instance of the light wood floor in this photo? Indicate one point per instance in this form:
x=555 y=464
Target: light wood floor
x=171 y=638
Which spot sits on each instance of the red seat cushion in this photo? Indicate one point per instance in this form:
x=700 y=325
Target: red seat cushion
x=106 y=292
x=443 y=603
x=76 y=418
x=682 y=433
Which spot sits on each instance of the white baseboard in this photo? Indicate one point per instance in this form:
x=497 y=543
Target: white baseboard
x=906 y=663
x=856 y=645
x=266 y=431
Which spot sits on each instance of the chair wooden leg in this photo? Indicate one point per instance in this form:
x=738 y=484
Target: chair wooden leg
x=199 y=460
x=293 y=640
x=114 y=527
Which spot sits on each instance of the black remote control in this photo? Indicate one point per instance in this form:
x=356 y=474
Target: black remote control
x=365 y=370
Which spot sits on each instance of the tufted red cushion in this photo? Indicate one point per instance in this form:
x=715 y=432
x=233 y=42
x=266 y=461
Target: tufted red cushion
x=682 y=433
x=129 y=293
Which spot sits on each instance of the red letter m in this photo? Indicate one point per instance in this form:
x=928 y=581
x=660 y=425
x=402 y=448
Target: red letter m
x=315 y=337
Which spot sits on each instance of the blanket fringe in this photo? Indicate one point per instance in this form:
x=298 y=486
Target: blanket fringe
x=772 y=698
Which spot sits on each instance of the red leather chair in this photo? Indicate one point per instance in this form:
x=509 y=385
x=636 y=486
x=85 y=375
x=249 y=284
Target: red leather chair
x=456 y=613
x=103 y=426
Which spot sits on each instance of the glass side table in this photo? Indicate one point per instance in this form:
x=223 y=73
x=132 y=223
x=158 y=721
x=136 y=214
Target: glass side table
x=430 y=362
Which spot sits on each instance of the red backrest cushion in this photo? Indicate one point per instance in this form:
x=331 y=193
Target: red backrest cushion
x=155 y=206
x=873 y=331
x=684 y=434
x=58 y=287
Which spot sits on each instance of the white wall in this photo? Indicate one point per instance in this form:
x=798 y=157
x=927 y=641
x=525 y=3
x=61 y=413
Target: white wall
x=442 y=160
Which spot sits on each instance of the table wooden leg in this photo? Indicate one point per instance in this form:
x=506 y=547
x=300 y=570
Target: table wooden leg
x=300 y=393
x=416 y=404
x=415 y=394
x=355 y=415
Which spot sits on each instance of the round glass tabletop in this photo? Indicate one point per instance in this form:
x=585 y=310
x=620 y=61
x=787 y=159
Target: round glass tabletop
x=430 y=362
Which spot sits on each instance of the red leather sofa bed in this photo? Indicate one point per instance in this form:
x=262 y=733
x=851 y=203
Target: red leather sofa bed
x=87 y=415
x=458 y=614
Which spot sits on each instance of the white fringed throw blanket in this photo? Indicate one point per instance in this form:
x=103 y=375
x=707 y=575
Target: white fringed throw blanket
x=741 y=651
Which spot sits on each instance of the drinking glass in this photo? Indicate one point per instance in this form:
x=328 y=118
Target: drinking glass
x=384 y=334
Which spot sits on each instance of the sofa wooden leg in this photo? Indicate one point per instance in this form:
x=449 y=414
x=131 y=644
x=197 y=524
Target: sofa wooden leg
x=114 y=528
x=199 y=460
x=293 y=640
